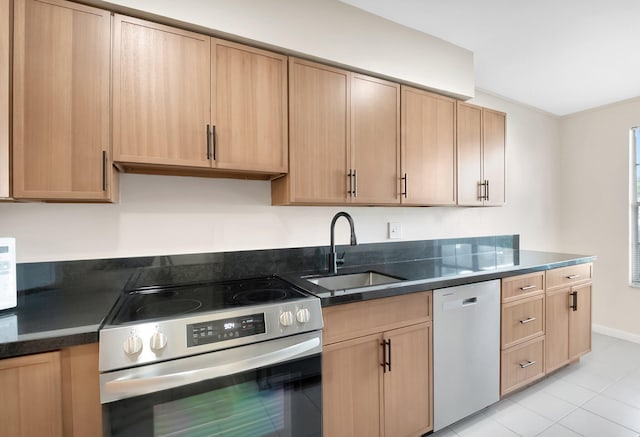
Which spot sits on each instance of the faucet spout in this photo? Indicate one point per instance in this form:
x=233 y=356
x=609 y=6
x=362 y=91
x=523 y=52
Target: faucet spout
x=333 y=258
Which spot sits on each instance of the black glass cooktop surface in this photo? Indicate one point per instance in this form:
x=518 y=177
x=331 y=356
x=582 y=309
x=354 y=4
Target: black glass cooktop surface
x=165 y=302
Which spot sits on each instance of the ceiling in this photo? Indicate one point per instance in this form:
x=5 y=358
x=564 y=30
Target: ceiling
x=561 y=56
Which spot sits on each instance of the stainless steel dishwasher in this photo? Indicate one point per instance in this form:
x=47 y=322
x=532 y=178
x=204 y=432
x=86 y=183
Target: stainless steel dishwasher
x=466 y=350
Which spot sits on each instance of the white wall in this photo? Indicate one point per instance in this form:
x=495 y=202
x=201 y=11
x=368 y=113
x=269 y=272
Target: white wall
x=165 y=214
x=595 y=206
x=329 y=30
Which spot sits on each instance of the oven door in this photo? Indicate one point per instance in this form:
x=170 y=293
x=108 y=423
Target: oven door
x=271 y=388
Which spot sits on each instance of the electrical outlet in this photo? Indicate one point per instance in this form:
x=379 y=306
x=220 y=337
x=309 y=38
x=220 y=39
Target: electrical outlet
x=395 y=230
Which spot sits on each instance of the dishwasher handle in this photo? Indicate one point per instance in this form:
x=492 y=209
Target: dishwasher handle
x=460 y=303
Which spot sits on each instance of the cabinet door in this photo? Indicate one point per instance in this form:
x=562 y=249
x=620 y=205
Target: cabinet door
x=249 y=104
x=375 y=140
x=81 y=391
x=557 y=329
x=408 y=385
x=493 y=155
x=580 y=321
x=161 y=94
x=30 y=386
x=5 y=59
x=319 y=117
x=428 y=148
x=352 y=387
x=61 y=101
x=469 y=134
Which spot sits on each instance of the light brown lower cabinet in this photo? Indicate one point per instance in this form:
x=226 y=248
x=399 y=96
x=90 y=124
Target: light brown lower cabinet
x=81 y=408
x=31 y=388
x=521 y=365
x=51 y=394
x=352 y=387
x=408 y=382
x=546 y=323
x=568 y=325
x=522 y=331
x=379 y=381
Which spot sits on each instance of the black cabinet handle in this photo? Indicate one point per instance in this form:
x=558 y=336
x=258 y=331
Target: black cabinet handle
x=355 y=183
x=208 y=141
x=404 y=193
x=480 y=191
x=104 y=170
x=350 y=176
x=215 y=141
x=386 y=355
x=486 y=192
x=574 y=300
x=389 y=364
x=211 y=141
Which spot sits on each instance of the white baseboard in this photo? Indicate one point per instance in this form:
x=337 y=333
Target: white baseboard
x=617 y=333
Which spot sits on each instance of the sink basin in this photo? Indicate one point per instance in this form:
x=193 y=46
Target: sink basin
x=355 y=280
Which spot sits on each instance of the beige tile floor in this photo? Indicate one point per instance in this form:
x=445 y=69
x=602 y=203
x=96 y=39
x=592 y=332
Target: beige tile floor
x=597 y=397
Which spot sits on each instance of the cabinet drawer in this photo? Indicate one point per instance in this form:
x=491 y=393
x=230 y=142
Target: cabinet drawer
x=518 y=287
x=522 y=320
x=521 y=365
x=568 y=275
x=352 y=320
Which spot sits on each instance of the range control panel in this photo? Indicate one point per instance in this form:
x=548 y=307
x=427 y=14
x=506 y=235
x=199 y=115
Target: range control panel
x=8 y=286
x=225 y=329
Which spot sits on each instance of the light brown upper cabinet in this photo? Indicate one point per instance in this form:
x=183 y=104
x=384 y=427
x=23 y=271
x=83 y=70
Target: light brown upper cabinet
x=481 y=155
x=428 y=148
x=185 y=100
x=344 y=138
x=61 y=83
x=161 y=94
x=5 y=62
x=319 y=136
x=375 y=141
x=249 y=98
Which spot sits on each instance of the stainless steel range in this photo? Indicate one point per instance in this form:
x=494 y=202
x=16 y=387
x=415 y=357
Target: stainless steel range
x=234 y=358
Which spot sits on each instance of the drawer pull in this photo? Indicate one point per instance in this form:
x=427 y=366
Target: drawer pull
x=525 y=321
x=527 y=364
x=573 y=276
x=527 y=287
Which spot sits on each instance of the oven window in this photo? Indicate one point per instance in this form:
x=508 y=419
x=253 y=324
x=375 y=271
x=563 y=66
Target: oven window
x=242 y=409
x=283 y=400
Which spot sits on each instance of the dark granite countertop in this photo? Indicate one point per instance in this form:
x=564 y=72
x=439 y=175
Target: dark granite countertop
x=448 y=271
x=53 y=319
x=63 y=304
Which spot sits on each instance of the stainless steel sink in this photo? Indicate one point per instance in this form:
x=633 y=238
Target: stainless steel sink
x=355 y=280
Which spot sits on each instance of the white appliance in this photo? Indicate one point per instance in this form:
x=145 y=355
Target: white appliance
x=466 y=350
x=8 y=284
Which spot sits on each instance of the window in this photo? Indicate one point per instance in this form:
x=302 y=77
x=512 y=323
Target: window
x=635 y=206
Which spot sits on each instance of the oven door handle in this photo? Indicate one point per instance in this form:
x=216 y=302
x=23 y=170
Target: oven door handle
x=157 y=377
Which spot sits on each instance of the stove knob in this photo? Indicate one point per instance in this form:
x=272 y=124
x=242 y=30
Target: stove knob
x=303 y=315
x=158 y=341
x=286 y=318
x=133 y=345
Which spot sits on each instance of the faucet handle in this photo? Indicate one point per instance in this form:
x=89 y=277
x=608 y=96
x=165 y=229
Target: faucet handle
x=340 y=258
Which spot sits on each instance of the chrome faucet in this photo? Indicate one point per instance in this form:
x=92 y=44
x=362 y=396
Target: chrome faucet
x=334 y=260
